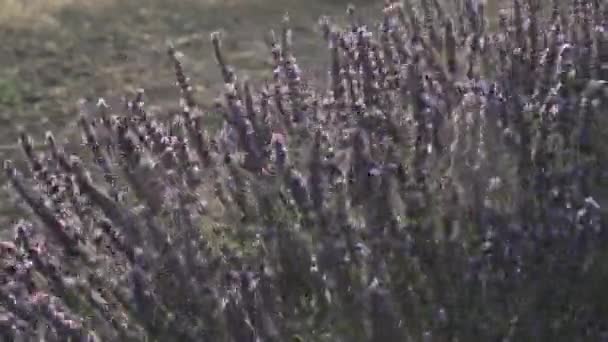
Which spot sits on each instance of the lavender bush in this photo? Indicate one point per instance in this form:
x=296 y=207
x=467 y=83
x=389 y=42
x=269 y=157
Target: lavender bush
x=442 y=188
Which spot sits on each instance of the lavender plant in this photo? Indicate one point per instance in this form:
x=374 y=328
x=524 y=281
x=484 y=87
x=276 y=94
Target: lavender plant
x=440 y=188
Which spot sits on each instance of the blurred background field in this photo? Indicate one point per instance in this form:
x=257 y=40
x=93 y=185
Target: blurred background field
x=55 y=52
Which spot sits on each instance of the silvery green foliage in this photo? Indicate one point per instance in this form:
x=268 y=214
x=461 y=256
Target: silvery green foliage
x=441 y=188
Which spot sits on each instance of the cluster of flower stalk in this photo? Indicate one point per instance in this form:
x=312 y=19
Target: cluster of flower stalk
x=440 y=189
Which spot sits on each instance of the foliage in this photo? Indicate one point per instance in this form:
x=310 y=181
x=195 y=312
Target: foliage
x=441 y=188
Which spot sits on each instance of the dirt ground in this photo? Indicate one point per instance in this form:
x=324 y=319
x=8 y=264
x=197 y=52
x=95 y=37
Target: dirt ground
x=55 y=52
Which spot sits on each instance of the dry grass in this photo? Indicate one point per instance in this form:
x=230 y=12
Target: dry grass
x=20 y=13
x=28 y=13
